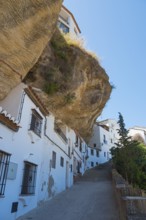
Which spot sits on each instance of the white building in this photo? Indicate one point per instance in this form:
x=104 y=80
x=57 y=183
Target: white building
x=93 y=157
x=37 y=154
x=138 y=133
x=67 y=22
x=104 y=137
x=113 y=127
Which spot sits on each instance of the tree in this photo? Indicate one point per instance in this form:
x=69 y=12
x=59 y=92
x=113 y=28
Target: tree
x=123 y=133
x=129 y=157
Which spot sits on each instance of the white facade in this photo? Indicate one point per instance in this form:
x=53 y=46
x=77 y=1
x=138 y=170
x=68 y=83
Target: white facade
x=67 y=22
x=103 y=138
x=138 y=133
x=41 y=154
x=93 y=157
x=113 y=127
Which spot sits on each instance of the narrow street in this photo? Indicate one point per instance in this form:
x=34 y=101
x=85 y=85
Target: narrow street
x=91 y=198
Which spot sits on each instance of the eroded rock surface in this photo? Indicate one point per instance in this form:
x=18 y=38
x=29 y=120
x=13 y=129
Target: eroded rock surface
x=73 y=86
x=26 y=27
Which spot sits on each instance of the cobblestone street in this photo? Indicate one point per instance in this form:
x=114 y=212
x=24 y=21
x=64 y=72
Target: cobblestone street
x=92 y=197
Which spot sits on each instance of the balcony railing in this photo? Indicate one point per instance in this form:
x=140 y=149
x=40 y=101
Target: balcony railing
x=60 y=132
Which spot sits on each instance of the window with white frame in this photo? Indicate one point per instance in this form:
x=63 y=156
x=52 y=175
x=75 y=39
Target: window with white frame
x=71 y=168
x=80 y=146
x=61 y=161
x=64 y=28
x=92 y=152
x=53 y=159
x=69 y=153
x=97 y=153
x=77 y=141
x=69 y=148
x=92 y=164
x=4 y=164
x=29 y=178
x=36 y=122
x=104 y=139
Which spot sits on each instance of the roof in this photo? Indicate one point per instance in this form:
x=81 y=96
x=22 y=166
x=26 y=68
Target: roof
x=72 y=17
x=8 y=120
x=37 y=101
x=104 y=127
x=138 y=128
x=107 y=120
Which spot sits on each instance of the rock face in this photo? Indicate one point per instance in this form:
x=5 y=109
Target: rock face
x=73 y=86
x=71 y=83
x=26 y=27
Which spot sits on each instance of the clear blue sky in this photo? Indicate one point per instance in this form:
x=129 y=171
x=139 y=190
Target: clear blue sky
x=116 y=31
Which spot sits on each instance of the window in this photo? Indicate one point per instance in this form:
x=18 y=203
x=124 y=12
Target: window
x=36 y=123
x=78 y=166
x=71 y=168
x=75 y=30
x=94 y=145
x=69 y=151
x=53 y=160
x=77 y=140
x=104 y=154
x=97 y=153
x=80 y=147
x=4 y=164
x=92 y=152
x=104 y=139
x=63 y=27
x=92 y=164
x=111 y=141
x=69 y=148
x=60 y=131
x=29 y=178
x=61 y=161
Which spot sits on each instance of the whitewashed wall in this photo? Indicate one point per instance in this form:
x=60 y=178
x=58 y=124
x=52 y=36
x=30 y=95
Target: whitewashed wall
x=105 y=146
x=138 y=131
x=111 y=136
x=25 y=145
x=13 y=101
x=93 y=160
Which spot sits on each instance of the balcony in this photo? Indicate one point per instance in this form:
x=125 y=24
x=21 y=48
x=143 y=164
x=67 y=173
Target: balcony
x=65 y=20
x=60 y=132
x=64 y=28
